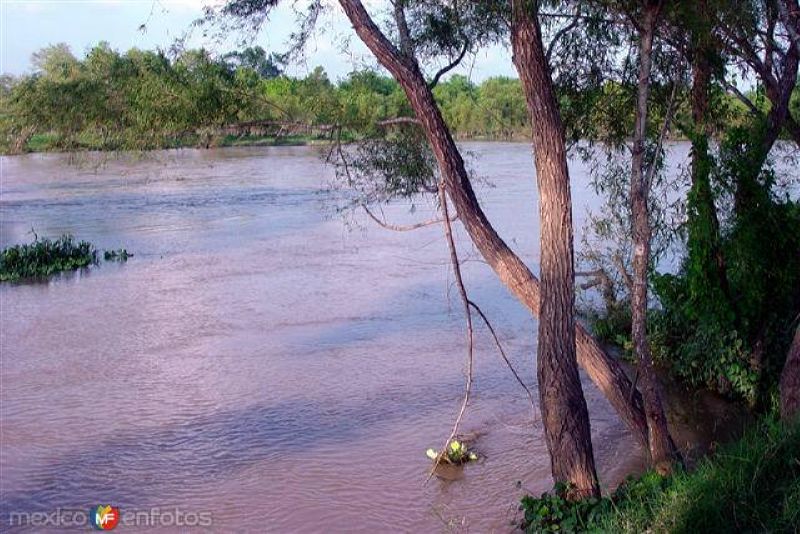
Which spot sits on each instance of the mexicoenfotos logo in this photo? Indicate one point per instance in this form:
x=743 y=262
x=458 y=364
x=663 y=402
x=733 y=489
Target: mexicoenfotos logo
x=104 y=517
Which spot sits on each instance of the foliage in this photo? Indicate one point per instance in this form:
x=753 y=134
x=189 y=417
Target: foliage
x=388 y=165
x=144 y=99
x=730 y=330
x=612 y=325
x=752 y=485
x=553 y=512
x=44 y=257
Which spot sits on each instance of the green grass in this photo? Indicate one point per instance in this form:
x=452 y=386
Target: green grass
x=752 y=485
x=43 y=142
x=44 y=257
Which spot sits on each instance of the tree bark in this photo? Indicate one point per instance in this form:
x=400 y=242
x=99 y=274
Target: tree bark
x=604 y=371
x=564 y=412
x=662 y=452
x=790 y=381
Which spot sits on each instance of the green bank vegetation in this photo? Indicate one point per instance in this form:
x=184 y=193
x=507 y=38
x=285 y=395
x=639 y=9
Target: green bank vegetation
x=143 y=99
x=752 y=485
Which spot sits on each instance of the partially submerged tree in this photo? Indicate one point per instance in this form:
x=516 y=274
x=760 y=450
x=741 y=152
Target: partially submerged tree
x=401 y=61
x=564 y=412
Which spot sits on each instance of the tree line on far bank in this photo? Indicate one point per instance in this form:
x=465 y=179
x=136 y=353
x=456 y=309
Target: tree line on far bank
x=143 y=99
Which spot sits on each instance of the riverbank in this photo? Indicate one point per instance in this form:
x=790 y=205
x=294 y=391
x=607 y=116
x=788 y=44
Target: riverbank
x=52 y=143
x=751 y=485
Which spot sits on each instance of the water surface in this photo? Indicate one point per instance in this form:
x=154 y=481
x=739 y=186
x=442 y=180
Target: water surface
x=260 y=357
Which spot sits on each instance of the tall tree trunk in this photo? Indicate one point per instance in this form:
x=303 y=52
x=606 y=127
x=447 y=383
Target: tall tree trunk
x=564 y=412
x=661 y=448
x=790 y=380
x=604 y=371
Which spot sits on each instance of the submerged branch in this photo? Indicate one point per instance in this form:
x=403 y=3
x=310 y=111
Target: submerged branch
x=448 y=231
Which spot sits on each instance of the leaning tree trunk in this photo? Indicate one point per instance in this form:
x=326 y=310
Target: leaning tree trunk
x=564 y=412
x=790 y=381
x=604 y=371
x=661 y=448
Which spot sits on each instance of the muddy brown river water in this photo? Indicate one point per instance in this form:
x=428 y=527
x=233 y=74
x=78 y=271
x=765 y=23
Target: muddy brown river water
x=261 y=360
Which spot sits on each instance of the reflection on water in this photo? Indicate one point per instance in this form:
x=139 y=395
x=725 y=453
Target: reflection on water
x=260 y=360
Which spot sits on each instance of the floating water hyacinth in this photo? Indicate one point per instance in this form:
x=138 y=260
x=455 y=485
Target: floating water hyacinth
x=455 y=453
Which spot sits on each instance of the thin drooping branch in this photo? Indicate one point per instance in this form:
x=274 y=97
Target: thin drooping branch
x=337 y=147
x=504 y=356
x=404 y=227
x=448 y=232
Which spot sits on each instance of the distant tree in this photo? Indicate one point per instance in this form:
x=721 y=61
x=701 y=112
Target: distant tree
x=55 y=61
x=256 y=58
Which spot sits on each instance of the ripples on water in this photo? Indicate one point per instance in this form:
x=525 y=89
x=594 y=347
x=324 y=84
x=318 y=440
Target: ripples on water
x=258 y=359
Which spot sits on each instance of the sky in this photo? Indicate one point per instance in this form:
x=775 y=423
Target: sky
x=28 y=25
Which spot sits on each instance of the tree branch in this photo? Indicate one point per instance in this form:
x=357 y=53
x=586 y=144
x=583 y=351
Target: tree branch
x=450 y=66
x=407 y=227
x=651 y=171
x=399 y=120
x=406 y=44
x=563 y=31
x=732 y=89
x=505 y=358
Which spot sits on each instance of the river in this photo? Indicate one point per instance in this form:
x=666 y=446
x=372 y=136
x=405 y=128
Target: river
x=263 y=359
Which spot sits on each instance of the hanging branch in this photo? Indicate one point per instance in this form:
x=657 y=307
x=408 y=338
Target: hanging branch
x=505 y=358
x=337 y=149
x=448 y=232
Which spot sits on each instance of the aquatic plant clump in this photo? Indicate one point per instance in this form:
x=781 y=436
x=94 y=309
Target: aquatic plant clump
x=456 y=453
x=44 y=257
x=120 y=255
